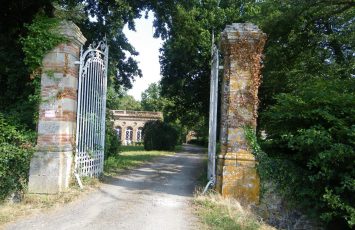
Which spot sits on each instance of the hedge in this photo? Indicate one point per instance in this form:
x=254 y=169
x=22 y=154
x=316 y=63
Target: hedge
x=16 y=150
x=159 y=136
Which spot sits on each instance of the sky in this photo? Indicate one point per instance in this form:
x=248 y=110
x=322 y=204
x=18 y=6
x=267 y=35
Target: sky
x=148 y=58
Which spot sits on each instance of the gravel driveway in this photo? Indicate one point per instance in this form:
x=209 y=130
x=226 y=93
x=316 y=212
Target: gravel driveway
x=154 y=196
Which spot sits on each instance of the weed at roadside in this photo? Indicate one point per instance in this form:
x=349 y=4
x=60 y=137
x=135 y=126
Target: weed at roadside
x=216 y=212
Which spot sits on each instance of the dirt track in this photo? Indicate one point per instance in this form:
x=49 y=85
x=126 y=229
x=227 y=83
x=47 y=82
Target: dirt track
x=154 y=196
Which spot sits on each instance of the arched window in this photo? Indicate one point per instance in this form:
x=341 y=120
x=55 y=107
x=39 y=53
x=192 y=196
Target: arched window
x=129 y=135
x=119 y=132
x=140 y=134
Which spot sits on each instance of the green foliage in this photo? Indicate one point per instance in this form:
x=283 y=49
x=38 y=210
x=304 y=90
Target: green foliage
x=186 y=54
x=19 y=93
x=42 y=37
x=306 y=40
x=124 y=102
x=15 y=83
x=269 y=169
x=224 y=214
x=186 y=83
x=312 y=128
x=152 y=99
x=110 y=18
x=252 y=141
x=127 y=102
x=159 y=136
x=70 y=12
x=112 y=144
x=218 y=218
x=15 y=155
x=130 y=148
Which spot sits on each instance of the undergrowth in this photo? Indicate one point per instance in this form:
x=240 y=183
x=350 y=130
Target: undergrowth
x=216 y=212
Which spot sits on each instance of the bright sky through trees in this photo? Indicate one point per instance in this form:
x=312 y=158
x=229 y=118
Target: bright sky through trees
x=148 y=48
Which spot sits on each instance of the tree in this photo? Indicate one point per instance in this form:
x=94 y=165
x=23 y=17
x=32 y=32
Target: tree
x=306 y=40
x=127 y=102
x=186 y=83
x=15 y=83
x=152 y=99
x=307 y=90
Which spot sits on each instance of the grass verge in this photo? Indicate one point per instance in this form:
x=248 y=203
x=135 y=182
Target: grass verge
x=130 y=158
x=217 y=213
x=36 y=203
x=131 y=148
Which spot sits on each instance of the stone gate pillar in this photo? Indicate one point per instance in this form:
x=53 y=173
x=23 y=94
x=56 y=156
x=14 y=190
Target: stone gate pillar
x=242 y=45
x=51 y=165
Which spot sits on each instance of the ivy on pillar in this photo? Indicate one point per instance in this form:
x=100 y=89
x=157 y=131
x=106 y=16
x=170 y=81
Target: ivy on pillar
x=51 y=165
x=242 y=45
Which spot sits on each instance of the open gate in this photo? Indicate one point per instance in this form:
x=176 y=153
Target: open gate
x=211 y=170
x=91 y=110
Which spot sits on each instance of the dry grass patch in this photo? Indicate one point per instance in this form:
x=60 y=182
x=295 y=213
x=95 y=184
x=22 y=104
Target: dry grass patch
x=216 y=212
x=36 y=203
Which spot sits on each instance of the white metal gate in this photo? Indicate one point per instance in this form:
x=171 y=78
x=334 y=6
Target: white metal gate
x=90 y=129
x=211 y=172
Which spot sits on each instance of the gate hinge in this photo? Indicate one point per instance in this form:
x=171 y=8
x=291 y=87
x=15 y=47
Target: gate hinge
x=77 y=62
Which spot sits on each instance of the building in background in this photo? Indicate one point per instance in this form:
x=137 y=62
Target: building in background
x=191 y=135
x=129 y=124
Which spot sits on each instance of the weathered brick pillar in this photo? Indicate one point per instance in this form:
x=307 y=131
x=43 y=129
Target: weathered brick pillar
x=242 y=45
x=51 y=165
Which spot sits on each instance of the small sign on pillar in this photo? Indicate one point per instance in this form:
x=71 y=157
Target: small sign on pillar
x=49 y=113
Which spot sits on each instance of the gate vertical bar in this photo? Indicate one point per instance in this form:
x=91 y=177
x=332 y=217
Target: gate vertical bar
x=103 y=128
x=79 y=111
x=91 y=86
x=96 y=118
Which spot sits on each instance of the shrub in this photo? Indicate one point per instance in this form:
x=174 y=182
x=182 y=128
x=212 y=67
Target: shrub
x=311 y=134
x=15 y=155
x=159 y=136
x=112 y=143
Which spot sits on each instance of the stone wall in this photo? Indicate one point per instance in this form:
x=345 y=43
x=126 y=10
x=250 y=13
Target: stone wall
x=51 y=165
x=242 y=45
